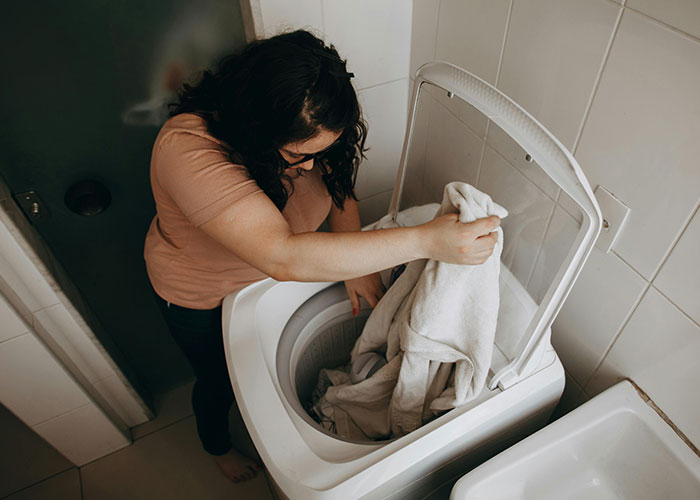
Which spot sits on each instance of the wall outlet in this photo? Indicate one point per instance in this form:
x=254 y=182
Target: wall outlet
x=614 y=216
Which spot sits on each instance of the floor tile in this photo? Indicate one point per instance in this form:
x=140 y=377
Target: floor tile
x=170 y=407
x=65 y=486
x=168 y=464
x=25 y=458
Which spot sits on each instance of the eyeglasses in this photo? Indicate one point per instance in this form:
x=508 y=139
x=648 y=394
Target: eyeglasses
x=310 y=156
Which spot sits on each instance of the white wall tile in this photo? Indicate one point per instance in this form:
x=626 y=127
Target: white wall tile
x=32 y=383
x=413 y=191
x=119 y=398
x=375 y=207
x=59 y=325
x=567 y=203
x=21 y=276
x=658 y=349
x=282 y=15
x=573 y=397
x=82 y=435
x=11 y=325
x=681 y=14
x=466 y=113
x=505 y=146
x=679 y=278
x=423 y=32
x=470 y=34
x=602 y=297
x=528 y=208
x=641 y=138
x=384 y=109
x=553 y=53
x=375 y=38
x=453 y=153
x=557 y=243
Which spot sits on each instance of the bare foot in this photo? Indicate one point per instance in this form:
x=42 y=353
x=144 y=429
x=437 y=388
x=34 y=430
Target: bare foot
x=237 y=467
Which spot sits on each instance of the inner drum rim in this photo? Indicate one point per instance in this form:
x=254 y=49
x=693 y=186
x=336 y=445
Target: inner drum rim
x=314 y=306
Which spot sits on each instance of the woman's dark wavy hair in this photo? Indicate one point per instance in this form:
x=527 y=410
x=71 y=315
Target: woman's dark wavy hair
x=278 y=91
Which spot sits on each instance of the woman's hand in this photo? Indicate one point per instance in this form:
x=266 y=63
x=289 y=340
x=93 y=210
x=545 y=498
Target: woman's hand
x=368 y=287
x=449 y=240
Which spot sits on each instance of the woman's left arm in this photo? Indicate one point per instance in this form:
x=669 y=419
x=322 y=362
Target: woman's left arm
x=368 y=287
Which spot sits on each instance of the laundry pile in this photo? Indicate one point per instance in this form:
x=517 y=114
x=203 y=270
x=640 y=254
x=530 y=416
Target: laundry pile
x=435 y=328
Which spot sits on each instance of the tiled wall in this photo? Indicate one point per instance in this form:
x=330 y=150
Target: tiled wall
x=36 y=388
x=617 y=83
x=375 y=38
x=54 y=375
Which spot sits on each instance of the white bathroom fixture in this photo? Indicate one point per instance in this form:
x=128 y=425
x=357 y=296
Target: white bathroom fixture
x=613 y=447
x=277 y=336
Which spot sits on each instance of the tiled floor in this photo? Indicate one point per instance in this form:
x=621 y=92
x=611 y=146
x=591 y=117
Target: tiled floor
x=166 y=461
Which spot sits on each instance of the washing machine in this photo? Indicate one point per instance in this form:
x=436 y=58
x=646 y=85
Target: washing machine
x=279 y=335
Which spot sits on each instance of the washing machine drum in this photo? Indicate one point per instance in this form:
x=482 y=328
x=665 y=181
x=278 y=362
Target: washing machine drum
x=320 y=334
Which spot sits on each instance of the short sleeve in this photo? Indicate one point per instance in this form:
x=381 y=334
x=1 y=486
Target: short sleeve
x=196 y=173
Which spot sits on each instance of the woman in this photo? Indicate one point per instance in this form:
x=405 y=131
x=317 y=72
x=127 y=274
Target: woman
x=253 y=159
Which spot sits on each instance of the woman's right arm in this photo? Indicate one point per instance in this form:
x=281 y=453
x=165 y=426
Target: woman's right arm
x=255 y=230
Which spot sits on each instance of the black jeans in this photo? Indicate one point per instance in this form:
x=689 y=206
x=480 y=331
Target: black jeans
x=199 y=335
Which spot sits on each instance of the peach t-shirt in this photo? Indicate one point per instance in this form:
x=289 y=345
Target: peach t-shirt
x=193 y=181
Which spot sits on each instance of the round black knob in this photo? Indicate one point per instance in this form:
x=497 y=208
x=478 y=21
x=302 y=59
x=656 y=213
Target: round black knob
x=87 y=197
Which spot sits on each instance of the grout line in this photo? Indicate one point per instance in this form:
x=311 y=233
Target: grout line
x=323 y=19
x=383 y=83
x=627 y=319
x=24 y=488
x=503 y=44
x=376 y=194
x=541 y=245
x=675 y=241
x=90 y=402
x=555 y=199
x=450 y=111
x=676 y=306
x=164 y=427
x=630 y=266
x=134 y=441
x=643 y=294
x=80 y=481
x=596 y=83
x=483 y=154
x=437 y=30
x=679 y=31
x=29 y=332
x=645 y=290
x=577 y=384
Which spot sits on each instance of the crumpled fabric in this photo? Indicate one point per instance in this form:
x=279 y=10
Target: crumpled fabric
x=436 y=327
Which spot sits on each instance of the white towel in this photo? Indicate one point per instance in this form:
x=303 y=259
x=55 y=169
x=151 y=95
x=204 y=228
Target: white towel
x=437 y=325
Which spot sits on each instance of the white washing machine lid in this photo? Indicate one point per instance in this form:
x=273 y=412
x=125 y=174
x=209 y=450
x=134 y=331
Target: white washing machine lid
x=554 y=160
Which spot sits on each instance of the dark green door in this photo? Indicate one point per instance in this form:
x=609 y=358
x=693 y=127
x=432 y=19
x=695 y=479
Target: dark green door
x=82 y=91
